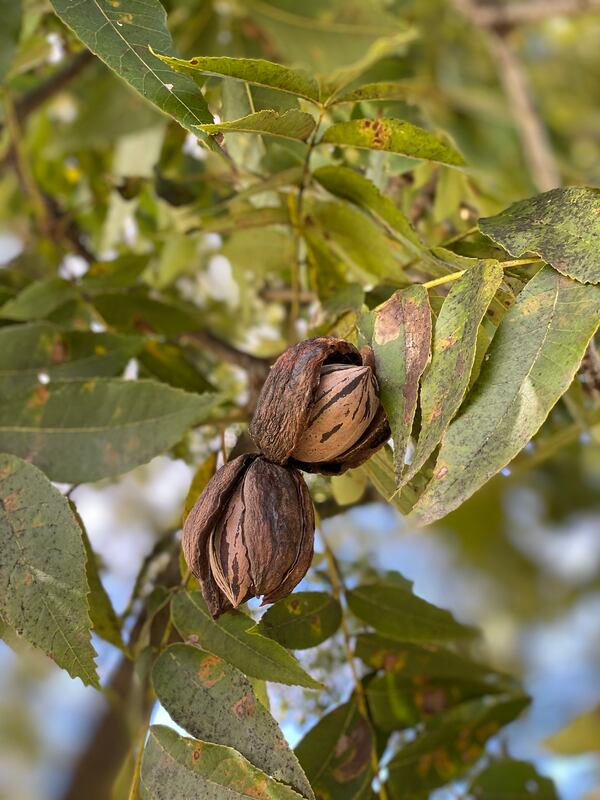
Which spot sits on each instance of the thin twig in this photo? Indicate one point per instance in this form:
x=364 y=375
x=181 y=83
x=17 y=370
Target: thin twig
x=296 y=206
x=23 y=167
x=535 y=142
x=227 y=352
x=454 y=276
x=506 y=14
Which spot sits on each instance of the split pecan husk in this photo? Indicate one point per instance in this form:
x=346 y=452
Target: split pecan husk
x=319 y=408
x=250 y=534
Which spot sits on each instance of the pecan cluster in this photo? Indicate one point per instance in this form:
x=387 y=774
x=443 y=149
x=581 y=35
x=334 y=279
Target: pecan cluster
x=251 y=532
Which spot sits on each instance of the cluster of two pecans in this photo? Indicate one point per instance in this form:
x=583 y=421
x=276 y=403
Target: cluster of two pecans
x=251 y=532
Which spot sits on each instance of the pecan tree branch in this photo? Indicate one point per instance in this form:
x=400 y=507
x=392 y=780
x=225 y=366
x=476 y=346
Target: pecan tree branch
x=227 y=352
x=507 y=14
x=530 y=128
x=40 y=94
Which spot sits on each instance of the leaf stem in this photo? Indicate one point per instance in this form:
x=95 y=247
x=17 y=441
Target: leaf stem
x=339 y=592
x=454 y=276
x=295 y=207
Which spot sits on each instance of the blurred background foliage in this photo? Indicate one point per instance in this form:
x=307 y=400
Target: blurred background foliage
x=92 y=173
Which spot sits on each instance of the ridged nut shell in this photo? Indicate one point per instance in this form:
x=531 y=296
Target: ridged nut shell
x=344 y=405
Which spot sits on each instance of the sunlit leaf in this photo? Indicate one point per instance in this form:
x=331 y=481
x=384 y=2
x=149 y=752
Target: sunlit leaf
x=37 y=347
x=302 y=620
x=392 y=608
x=216 y=703
x=229 y=638
x=255 y=71
x=121 y=34
x=292 y=124
x=392 y=136
x=445 y=381
x=175 y=766
x=43 y=586
x=112 y=425
x=581 y=735
x=562 y=226
x=336 y=754
x=203 y=474
x=401 y=341
x=530 y=364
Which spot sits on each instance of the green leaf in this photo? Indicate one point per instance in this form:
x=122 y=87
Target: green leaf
x=397 y=702
x=229 y=638
x=447 y=747
x=216 y=703
x=354 y=238
x=351 y=185
x=121 y=35
x=426 y=661
x=120 y=273
x=135 y=312
x=27 y=350
x=336 y=754
x=43 y=587
x=292 y=124
x=169 y=364
x=39 y=299
x=349 y=487
x=379 y=469
x=302 y=620
x=255 y=71
x=581 y=735
x=201 y=478
x=531 y=362
x=112 y=426
x=392 y=608
x=392 y=136
x=512 y=780
x=561 y=226
x=175 y=766
x=10 y=14
x=102 y=613
x=401 y=341
x=446 y=380
x=380 y=90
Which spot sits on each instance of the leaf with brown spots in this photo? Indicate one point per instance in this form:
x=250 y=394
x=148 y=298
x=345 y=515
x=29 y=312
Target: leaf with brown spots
x=336 y=754
x=112 y=425
x=302 y=620
x=447 y=747
x=401 y=341
x=393 y=136
x=562 y=226
x=446 y=379
x=43 y=586
x=38 y=347
x=188 y=769
x=232 y=638
x=216 y=703
x=531 y=362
